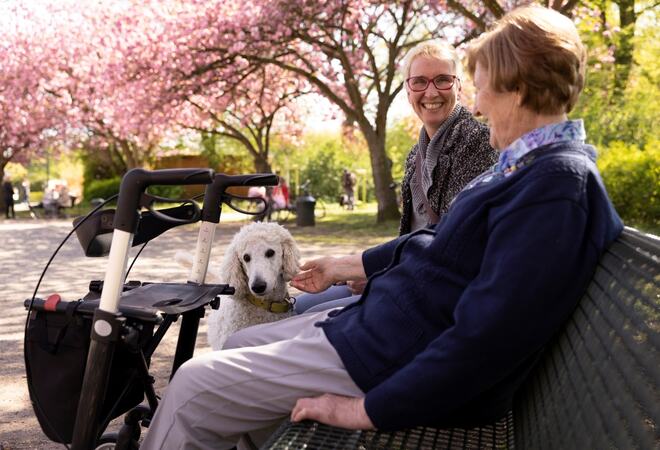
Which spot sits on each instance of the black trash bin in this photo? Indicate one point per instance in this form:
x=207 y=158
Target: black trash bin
x=305 y=211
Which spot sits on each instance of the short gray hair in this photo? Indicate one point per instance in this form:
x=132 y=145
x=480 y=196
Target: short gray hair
x=434 y=49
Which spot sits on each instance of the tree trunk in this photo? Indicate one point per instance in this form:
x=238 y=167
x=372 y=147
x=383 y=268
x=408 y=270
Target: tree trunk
x=2 y=180
x=261 y=164
x=382 y=174
x=129 y=155
x=623 y=52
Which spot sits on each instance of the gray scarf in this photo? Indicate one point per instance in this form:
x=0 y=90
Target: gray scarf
x=430 y=150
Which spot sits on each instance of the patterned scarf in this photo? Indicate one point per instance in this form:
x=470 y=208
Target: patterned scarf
x=513 y=158
x=430 y=150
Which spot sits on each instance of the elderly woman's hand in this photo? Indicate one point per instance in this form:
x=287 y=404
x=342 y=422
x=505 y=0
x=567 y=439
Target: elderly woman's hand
x=335 y=410
x=319 y=274
x=356 y=287
x=315 y=276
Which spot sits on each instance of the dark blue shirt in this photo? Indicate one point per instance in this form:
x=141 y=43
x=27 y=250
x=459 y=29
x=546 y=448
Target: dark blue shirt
x=453 y=318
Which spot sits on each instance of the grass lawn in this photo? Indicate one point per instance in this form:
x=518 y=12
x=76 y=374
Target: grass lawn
x=338 y=227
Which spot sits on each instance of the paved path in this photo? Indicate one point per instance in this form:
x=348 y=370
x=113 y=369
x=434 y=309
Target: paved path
x=25 y=247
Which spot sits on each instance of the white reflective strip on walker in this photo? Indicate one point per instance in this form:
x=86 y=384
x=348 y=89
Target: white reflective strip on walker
x=116 y=271
x=202 y=252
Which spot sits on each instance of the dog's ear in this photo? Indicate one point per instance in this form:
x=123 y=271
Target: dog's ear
x=290 y=257
x=231 y=269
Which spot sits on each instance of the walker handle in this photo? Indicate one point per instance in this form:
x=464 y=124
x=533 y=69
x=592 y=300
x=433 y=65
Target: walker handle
x=215 y=191
x=136 y=181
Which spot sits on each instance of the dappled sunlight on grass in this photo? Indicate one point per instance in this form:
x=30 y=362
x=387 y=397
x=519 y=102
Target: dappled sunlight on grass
x=341 y=227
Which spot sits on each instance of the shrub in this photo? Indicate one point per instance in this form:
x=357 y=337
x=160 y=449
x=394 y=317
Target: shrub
x=107 y=188
x=101 y=188
x=173 y=192
x=632 y=178
x=324 y=172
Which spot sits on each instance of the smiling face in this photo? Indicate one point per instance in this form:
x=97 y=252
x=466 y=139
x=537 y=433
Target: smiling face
x=432 y=105
x=502 y=111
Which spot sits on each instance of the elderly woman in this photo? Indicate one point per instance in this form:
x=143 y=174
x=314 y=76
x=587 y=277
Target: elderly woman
x=452 y=149
x=452 y=318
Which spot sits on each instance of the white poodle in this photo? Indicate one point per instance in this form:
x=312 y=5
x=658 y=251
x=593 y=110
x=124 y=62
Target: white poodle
x=259 y=262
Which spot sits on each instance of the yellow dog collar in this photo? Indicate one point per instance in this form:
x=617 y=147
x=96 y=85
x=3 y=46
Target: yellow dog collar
x=274 y=306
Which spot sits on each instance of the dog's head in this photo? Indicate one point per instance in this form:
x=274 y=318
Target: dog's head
x=260 y=260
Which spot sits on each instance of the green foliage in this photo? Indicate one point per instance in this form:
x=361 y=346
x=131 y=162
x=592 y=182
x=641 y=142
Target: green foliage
x=225 y=154
x=632 y=178
x=107 y=188
x=321 y=158
x=101 y=188
x=401 y=136
x=323 y=168
x=173 y=192
x=633 y=116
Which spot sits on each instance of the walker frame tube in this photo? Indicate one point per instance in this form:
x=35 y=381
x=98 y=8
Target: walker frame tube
x=213 y=198
x=107 y=322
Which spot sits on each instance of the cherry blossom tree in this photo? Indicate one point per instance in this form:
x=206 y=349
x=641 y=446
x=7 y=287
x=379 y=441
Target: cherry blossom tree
x=246 y=111
x=93 y=56
x=30 y=116
x=347 y=51
x=112 y=105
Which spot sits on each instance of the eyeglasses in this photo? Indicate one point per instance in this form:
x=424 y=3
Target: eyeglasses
x=441 y=83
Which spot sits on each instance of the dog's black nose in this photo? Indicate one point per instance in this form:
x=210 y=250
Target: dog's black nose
x=259 y=286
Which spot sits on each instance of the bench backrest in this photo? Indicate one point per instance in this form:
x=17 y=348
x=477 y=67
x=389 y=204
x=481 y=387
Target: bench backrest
x=598 y=385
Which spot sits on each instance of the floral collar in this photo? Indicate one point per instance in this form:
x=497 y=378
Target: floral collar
x=515 y=157
x=569 y=130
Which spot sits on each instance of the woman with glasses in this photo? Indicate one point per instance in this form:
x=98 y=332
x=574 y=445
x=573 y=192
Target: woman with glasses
x=453 y=146
x=452 y=149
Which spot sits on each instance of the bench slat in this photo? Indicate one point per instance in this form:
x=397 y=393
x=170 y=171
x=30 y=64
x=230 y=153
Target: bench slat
x=312 y=435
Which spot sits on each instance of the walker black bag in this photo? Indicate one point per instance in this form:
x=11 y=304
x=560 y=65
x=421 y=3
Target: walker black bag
x=55 y=356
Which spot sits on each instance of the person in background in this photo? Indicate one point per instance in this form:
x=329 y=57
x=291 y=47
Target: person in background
x=280 y=194
x=63 y=198
x=8 y=198
x=452 y=149
x=453 y=317
x=348 y=182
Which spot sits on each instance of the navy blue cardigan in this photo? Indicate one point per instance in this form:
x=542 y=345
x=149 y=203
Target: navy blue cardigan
x=452 y=319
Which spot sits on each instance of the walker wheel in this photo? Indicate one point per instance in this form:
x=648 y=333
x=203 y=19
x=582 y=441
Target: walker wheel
x=107 y=442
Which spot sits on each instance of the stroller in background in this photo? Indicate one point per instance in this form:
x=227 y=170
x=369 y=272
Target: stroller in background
x=87 y=361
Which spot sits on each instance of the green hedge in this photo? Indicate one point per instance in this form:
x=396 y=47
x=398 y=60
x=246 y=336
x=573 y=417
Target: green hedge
x=173 y=192
x=107 y=188
x=101 y=188
x=632 y=178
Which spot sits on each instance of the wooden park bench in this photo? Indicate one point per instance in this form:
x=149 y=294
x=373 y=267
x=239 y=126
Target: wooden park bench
x=596 y=387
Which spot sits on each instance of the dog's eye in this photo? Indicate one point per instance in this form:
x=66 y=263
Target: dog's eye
x=269 y=253
x=246 y=258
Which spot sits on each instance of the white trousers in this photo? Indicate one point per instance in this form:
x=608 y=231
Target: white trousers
x=248 y=387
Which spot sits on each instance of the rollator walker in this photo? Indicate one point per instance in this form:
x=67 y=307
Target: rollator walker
x=87 y=361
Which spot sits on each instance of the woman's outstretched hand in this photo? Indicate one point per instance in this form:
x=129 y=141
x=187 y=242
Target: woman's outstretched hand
x=334 y=410
x=319 y=274
x=315 y=275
